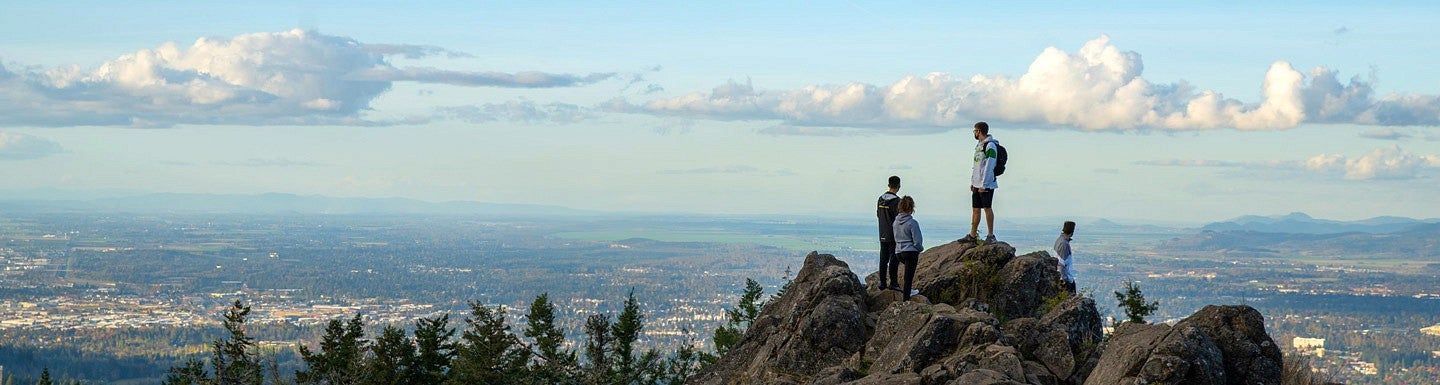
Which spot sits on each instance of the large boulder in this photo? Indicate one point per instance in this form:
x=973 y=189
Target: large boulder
x=1216 y=345
x=1251 y=356
x=1012 y=287
x=1083 y=330
x=817 y=324
x=1025 y=282
x=1158 y=354
x=912 y=336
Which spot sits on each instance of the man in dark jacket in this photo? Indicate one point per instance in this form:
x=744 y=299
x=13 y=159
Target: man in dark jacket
x=885 y=211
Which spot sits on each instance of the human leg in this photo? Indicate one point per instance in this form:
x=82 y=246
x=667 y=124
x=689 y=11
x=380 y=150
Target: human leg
x=990 y=221
x=887 y=252
x=909 y=258
x=894 y=269
x=975 y=205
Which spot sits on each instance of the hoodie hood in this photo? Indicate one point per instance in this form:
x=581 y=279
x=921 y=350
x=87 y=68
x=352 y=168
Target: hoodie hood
x=903 y=219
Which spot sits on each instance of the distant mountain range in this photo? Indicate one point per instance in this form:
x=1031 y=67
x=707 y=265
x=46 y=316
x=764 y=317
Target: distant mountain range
x=1297 y=233
x=278 y=203
x=1300 y=223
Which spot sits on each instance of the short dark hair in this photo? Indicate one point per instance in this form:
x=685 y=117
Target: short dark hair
x=983 y=127
x=907 y=205
x=894 y=181
x=1067 y=228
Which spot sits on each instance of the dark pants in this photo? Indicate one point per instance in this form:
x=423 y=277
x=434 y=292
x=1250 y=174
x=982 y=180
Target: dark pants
x=908 y=258
x=1069 y=285
x=887 y=252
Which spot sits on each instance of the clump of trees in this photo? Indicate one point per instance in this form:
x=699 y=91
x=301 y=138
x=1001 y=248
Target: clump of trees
x=483 y=350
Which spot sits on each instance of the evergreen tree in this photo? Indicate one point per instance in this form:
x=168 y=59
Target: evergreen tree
x=393 y=354
x=45 y=377
x=234 y=358
x=630 y=368
x=783 y=288
x=433 y=351
x=598 y=347
x=685 y=362
x=625 y=331
x=1133 y=301
x=746 y=310
x=339 y=361
x=192 y=373
x=554 y=364
x=488 y=353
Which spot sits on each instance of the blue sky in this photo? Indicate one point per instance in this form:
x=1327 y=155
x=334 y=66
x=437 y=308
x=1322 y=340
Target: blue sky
x=1120 y=110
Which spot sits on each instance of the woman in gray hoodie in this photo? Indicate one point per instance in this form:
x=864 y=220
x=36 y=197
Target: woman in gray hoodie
x=908 y=243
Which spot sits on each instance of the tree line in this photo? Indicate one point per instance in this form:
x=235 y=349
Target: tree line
x=482 y=350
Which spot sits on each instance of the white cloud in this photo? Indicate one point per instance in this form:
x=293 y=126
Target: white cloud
x=1099 y=87
x=294 y=77
x=1382 y=163
x=15 y=146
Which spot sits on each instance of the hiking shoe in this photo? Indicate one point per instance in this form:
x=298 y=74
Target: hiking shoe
x=990 y=238
x=968 y=238
x=895 y=288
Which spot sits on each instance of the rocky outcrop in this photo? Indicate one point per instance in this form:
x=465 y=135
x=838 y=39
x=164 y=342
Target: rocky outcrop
x=817 y=324
x=983 y=316
x=1216 y=345
x=1251 y=356
x=1013 y=287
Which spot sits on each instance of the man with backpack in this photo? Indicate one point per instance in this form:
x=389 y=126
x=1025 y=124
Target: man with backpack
x=990 y=160
x=886 y=210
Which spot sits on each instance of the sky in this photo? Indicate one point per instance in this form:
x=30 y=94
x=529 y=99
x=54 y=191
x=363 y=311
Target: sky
x=1120 y=110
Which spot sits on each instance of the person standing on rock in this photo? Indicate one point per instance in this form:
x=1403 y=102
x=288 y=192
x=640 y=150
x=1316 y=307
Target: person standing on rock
x=908 y=243
x=886 y=208
x=982 y=183
x=1062 y=252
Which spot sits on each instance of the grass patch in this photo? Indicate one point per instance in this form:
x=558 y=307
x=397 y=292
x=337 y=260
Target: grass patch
x=975 y=280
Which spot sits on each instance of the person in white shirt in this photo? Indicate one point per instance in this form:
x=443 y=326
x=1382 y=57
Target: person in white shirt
x=1067 y=259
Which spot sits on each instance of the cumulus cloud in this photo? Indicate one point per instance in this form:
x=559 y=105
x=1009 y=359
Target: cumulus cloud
x=1382 y=163
x=16 y=146
x=1098 y=87
x=1386 y=134
x=521 y=111
x=294 y=77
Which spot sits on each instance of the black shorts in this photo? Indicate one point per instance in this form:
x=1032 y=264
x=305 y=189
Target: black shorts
x=981 y=200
